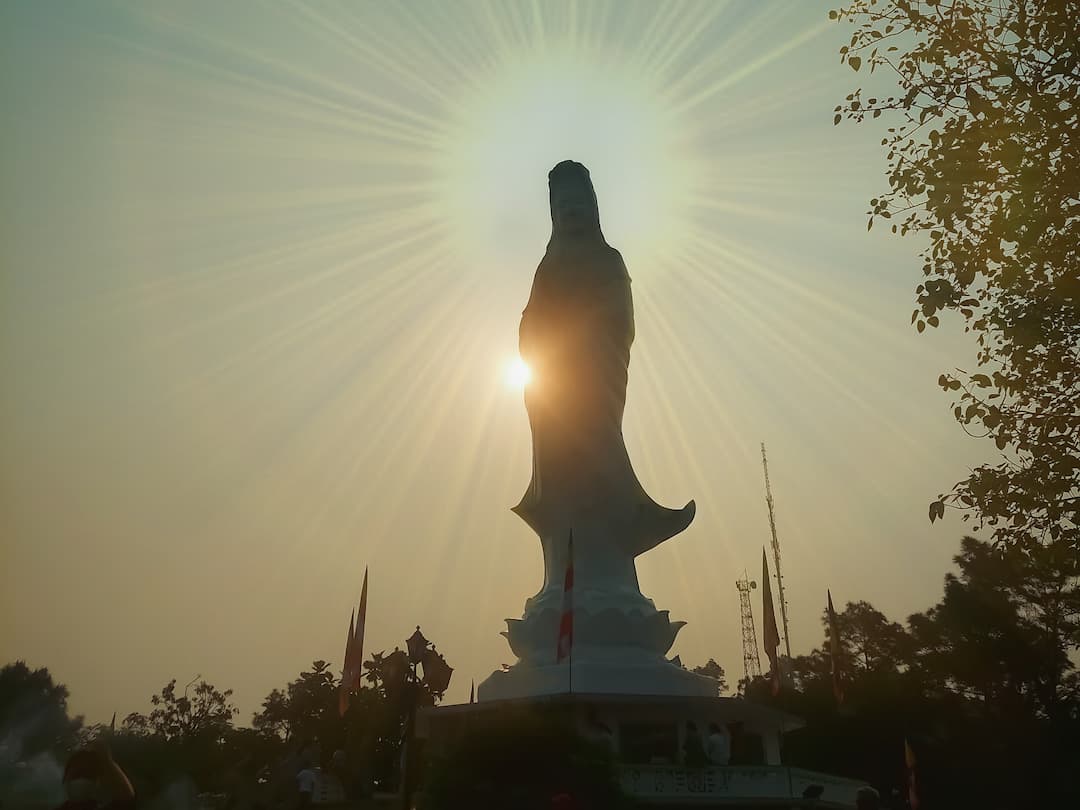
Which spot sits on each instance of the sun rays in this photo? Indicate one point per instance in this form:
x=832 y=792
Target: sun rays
x=413 y=154
x=297 y=242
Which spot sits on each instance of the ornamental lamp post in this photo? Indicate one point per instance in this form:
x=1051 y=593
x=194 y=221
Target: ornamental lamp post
x=436 y=677
x=417 y=646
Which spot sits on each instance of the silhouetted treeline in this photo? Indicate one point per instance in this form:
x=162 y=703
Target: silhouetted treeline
x=189 y=744
x=982 y=686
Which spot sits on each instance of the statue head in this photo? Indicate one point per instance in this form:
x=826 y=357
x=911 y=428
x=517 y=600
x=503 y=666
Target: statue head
x=574 y=212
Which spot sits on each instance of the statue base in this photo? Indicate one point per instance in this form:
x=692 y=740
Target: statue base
x=652 y=739
x=620 y=640
x=593 y=676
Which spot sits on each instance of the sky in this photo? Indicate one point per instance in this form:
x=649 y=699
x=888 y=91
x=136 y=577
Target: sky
x=261 y=271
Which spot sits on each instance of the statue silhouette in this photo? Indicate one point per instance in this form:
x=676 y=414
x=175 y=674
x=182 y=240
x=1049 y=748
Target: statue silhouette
x=575 y=336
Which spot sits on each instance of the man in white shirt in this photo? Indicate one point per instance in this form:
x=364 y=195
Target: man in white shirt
x=719 y=749
x=316 y=787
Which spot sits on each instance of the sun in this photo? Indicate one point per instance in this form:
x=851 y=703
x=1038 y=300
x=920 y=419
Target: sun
x=518 y=374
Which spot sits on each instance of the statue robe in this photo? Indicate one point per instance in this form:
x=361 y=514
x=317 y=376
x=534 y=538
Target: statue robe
x=575 y=336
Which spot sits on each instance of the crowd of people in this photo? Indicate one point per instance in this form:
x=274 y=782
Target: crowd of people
x=93 y=780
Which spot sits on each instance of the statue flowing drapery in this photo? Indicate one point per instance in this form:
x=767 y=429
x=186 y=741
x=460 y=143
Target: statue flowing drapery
x=575 y=336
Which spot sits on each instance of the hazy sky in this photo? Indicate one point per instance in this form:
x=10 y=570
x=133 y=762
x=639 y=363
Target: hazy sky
x=262 y=270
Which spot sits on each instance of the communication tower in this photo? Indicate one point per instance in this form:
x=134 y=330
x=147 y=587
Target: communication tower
x=750 y=658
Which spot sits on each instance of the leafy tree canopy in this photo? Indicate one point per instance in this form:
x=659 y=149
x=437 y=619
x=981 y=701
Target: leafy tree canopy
x=982 y=163
x=33 y=712
x=711 y=669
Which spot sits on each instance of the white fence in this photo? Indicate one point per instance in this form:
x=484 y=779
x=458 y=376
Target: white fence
x=732 y=783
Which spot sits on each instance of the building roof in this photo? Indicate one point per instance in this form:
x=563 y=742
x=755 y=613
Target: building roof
x=734 y=708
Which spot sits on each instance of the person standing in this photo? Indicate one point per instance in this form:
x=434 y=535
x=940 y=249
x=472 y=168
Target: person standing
x=317 y=787
x=719 y=748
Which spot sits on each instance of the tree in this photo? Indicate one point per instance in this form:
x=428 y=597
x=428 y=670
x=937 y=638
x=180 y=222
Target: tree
x=274 y=720
x=183 y=736
x=868 y=640
x=982 y=683
x=207 y=714
x=33 y=712
x=982 y=163
x=306 y=709
x=373 y=726
x=379 y=713
x=711 y=669
x=1004 y=628
x=36 y=733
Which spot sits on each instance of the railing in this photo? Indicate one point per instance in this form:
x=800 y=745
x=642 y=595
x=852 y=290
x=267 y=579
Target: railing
x=663 y=783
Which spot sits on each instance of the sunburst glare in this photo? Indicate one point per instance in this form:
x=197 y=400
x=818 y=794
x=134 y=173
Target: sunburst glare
x=518 y=374
x=539 y=108
x=269 y=290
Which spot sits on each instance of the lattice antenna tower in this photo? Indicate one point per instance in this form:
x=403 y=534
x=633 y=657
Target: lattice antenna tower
x=776 y=554
x=750 y=658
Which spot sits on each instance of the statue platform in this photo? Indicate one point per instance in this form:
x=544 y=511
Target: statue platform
x=620 y=642
x=648 y=735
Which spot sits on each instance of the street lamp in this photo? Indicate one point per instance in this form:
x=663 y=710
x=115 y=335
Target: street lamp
x=436 y=677
x=417 y=646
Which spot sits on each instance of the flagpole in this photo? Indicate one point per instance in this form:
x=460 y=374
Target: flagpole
x=564 y=647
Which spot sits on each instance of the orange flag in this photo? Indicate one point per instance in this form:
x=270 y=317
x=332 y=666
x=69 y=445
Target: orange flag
x=358 y=635
x=909 y=764
x=354 y=652
x=346 y=670
x=835 y=652
x=768 y=621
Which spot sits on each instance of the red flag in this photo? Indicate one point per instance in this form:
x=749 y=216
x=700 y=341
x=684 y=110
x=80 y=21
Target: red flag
x=358 y=635
x=909 y=764
x=566 y=622
x=354 y=652
x=347 y=667
x=768 y=621
x=835 y=652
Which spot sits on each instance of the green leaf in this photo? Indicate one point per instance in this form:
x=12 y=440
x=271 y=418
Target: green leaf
x=855 y=63
x=937 y=510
